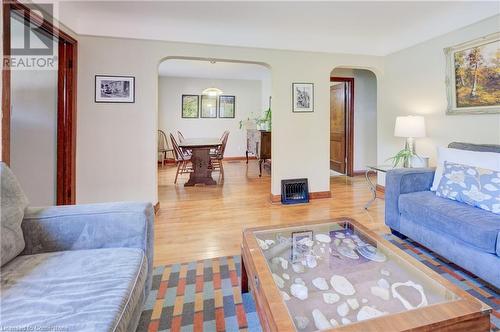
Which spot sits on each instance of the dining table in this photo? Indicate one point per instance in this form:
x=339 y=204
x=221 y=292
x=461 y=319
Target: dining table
x=200 y=158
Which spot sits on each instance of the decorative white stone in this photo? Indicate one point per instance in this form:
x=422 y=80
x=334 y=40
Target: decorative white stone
x=301 y=322
x=383 y=283
x=322 y=250
x=347 y=252
x=353 y=303
x=311 y=261
x=340 y=235
x=286 y=276
x=343 y=309
x=385 y=272
x=279 y=281
x=341 y=285
x=320 y=320
x=269 y=242
x=323 y=238
x=300 y=281
x=367 y=312
x=284 y=263
x=299 y=291
x=320 y=283
x=285 y=295
x=334 y=322
x=363 y=300
x=383 y=293
x=331 y=298
x=336 y=242
x=262 y=244
x=346 y=321
x=406 y=304
x=298 y=268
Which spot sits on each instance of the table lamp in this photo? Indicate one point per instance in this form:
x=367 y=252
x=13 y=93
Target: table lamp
x=410 y=127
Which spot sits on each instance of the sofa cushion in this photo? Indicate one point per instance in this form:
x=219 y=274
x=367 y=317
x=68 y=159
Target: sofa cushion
x=81 y=290
x=476 y=227
x=475 y=186
x=13 y=202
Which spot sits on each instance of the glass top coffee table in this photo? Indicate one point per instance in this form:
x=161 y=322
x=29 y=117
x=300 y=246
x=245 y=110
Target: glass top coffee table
x=337 y=274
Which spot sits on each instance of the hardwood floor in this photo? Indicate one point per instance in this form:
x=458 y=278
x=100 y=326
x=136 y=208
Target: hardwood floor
x=207 y=221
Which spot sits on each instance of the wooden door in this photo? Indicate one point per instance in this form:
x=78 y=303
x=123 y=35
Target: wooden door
x=338 y=127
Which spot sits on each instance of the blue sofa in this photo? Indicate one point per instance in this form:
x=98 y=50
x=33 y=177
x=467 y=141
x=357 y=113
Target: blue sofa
x=81 y=268
x=463 y=234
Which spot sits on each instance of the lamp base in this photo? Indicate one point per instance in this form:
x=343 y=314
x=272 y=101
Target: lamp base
x=409 y=145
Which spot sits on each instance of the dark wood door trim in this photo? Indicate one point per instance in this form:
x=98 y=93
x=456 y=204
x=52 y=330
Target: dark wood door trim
x=6 y=84
x=349 y=130
x=66 y=99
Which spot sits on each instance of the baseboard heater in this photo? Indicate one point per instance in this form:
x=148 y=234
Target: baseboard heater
x=294 y=191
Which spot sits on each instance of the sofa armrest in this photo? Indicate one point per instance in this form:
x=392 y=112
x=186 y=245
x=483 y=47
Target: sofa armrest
x=403 y=181
x=88 y=226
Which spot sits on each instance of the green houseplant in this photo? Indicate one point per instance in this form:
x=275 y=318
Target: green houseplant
x=263 y=122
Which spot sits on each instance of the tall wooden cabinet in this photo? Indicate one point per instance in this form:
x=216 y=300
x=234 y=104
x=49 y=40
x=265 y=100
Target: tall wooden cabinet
x=259 y=145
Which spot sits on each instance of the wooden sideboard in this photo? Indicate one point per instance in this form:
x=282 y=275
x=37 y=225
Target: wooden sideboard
x=259 y=144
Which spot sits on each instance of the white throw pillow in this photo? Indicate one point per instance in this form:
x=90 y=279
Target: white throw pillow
x=488 y=160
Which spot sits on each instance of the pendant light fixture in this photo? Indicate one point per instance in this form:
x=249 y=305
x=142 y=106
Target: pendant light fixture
x=212 y=91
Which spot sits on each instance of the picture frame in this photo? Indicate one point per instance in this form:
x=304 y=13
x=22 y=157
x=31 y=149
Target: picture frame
x=302 y=97
x=300 y=250
x=190 y=108
x=471 y=85
x=208 y=107
x=114 y=89
x=227 y=107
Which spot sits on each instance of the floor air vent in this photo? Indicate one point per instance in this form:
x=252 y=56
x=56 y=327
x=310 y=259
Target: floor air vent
x=294 y=191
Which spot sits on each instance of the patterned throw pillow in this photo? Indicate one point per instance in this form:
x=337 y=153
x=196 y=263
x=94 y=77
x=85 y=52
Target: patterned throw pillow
x=472 y=185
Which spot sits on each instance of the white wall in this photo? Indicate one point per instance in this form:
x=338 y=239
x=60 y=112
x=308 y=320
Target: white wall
x=116 y=143
x=33 y=131
x=365 y=115
x=414 y=83
x=248 y=100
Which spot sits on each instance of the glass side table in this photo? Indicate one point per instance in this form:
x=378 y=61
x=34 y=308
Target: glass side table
x=373 y=186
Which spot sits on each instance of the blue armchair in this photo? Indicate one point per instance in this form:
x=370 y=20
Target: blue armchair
x=83 y=268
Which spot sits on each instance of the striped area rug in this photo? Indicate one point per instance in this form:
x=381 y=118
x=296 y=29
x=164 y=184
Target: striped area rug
x=205 y=295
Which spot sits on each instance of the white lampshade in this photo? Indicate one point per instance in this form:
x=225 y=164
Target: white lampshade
x=410 y=126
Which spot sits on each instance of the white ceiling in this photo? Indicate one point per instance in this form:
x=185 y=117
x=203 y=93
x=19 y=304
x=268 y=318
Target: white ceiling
x=370 y=27
x=206 y=69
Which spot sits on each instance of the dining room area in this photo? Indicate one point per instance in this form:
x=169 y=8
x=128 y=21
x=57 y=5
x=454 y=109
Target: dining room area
x=208 y=114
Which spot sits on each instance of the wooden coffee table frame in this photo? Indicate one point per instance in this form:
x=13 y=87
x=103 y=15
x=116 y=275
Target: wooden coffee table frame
x=464 y=314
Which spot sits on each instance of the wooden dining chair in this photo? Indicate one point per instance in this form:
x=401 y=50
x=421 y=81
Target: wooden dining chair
x=181 y=158
x=218 y=157
x=181 y=138
x=163 y=147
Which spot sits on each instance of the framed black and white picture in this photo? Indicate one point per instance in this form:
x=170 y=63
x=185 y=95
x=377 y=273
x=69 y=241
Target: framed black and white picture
x=303 y=97
x=301 y=245
x=227 y=106
x=190 y=106
x=114 y=89
x=208 y=106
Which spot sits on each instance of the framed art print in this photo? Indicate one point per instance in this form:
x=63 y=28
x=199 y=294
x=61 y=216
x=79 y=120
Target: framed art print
x=190 y=106
x=300 y=246
x=114 y=89
x=472 y=76
x=208 y=106
x=303 y=97
x=227 y=106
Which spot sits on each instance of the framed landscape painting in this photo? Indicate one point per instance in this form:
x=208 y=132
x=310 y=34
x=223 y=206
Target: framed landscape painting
x=114 y=89
x=227 y=106
x=208 y=106
x=190 y=106
x=473 y=76
x=303 y=97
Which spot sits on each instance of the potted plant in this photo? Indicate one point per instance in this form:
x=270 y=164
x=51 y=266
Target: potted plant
x=404 y=158
x=262 y=123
